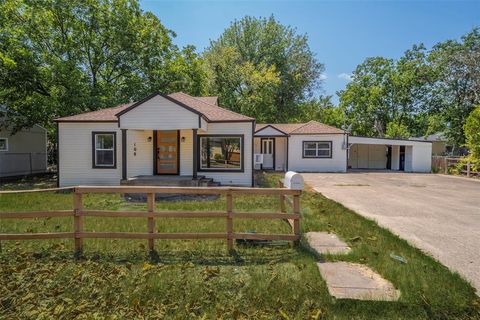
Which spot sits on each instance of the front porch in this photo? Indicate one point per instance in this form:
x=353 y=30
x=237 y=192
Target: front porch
x=159 y=156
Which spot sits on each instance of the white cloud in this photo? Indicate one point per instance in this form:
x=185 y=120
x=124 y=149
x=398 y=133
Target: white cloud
x=323 y=76
x=345 y=76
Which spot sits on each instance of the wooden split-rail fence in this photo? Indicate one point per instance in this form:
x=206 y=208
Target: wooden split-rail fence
x=79 y=213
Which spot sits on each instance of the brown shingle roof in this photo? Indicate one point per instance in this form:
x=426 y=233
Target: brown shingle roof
x=210 y=111
x=103 y=115
x=202 y=105
x=209 y=100
x=311 y=127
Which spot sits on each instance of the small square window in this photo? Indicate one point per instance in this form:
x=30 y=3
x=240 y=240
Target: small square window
x=3 y=144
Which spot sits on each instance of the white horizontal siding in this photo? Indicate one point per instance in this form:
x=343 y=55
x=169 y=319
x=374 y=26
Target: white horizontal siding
x=269 y=131
x=186 y=153
x=338 y=162
x=75 y=149
x=234 y=178
x=139 y=152
x=159 y=113
x=422 y=158
x=280 y=153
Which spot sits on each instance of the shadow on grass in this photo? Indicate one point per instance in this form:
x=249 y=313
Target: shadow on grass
x=243 y=255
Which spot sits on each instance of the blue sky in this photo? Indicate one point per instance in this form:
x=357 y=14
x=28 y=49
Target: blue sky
x=341 y=33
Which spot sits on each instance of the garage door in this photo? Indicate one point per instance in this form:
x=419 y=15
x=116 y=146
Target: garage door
x=368 y=156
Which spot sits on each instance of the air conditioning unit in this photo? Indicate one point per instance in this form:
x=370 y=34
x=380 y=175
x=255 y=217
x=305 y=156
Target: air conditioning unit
x=258 y=158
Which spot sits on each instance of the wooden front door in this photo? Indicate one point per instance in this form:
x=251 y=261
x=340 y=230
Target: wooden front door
x=167 y=152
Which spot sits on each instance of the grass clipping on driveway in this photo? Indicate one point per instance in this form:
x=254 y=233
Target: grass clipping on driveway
x=198 y=279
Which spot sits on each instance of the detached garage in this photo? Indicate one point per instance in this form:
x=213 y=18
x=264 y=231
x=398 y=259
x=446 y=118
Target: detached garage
x=390 y=154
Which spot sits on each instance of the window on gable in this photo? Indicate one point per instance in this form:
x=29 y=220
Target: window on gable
x=317 y=149
x=104 y=149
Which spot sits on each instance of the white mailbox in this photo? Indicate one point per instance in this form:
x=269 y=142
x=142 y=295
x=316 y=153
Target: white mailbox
x=293 y=180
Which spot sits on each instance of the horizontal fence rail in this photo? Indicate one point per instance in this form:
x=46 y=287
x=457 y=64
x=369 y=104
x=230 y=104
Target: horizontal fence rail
x=79 y=213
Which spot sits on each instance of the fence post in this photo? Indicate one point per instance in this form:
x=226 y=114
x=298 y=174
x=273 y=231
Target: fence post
x=151 y=220
x=469 y=168
x=282 y=198
x=296 y=210
x=229 y=221
x=446 y=165
x=77 y=221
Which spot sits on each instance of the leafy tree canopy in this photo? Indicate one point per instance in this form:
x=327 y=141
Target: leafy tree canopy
x=322 y=110
x=426 y=91
x=472 y=133
x=262 y=68
x=59 y=58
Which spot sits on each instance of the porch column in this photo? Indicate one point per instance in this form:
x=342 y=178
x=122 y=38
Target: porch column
x=124 y=154
x=195 y=153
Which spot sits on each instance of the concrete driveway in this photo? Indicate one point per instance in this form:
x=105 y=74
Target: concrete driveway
x=438 y=214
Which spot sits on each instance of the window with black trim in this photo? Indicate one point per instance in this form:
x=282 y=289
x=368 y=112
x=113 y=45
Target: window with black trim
x=221 y=153
x=3 y=144
x=104 y=149
x=317 y=149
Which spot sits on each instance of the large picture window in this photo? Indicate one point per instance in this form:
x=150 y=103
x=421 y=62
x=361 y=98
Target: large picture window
x=317 y=149
x=3 y=144
x=221 y=153
x=104 y=149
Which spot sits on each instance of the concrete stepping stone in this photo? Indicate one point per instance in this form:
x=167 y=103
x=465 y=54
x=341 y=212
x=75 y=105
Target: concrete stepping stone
x=326 y=243
x=355 y=281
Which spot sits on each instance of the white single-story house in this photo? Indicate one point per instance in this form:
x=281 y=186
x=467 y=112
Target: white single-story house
x=23 y=152
x=193 y=137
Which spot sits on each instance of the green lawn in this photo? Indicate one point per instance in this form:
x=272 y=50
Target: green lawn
x=117 y=279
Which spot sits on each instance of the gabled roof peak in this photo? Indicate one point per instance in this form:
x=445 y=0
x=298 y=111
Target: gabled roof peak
x=203 y=106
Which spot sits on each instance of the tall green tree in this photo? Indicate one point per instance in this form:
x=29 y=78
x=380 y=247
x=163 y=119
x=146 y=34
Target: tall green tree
x=457 y=89
x=61 y=57
x=388 y=93
x=323 y=110
x=262 y=68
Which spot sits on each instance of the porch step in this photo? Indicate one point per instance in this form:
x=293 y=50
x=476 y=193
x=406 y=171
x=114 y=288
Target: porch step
x=170 y=181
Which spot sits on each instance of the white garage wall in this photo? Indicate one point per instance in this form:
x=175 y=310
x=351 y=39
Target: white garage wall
x=408 y=158
x=338 y=162
x=422 y=157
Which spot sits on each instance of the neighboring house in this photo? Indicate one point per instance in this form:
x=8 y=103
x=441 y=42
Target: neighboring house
x=440 y=145
x=187 y=136
x=24 y=152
